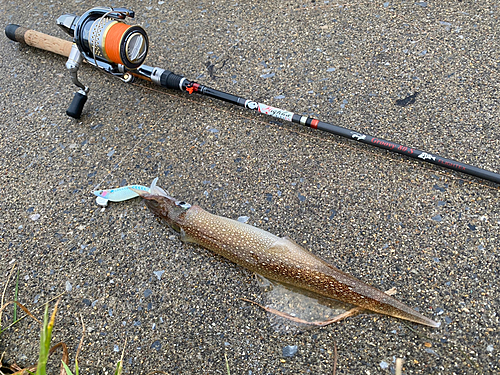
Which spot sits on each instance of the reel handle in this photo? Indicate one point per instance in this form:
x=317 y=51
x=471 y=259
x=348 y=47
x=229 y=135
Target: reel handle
x=76 y=107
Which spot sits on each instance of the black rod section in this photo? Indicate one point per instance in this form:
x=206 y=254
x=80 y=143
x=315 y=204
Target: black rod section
x=181 y=83
x=409 y=151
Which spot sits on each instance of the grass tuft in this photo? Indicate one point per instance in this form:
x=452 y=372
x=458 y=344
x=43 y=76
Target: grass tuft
x=45 y=337
x=46 y=350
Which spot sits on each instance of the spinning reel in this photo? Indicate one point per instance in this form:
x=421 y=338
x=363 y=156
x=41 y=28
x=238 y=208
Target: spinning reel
x=102 y=39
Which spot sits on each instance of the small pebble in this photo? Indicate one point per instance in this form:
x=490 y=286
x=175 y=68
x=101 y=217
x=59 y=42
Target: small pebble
x=156 y=345
x=430 y=351
x=69 y=288
x=35 y=217
x=439 y=188
x=290 y=350
x=158 y=274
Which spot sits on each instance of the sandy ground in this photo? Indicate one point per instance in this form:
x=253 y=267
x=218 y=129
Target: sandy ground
x=386 y=219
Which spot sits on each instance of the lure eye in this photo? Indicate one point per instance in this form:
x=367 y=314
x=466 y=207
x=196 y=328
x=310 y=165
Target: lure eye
x=183 y=205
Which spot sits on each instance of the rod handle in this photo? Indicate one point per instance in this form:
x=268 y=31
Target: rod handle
x=37 y=39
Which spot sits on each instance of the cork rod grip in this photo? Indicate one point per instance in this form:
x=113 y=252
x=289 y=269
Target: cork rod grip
x=39 y=40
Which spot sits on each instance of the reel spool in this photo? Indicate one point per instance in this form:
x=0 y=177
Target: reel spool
x=102 y=39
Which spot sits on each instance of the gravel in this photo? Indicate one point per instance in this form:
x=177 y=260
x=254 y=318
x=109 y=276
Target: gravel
x=380 y=217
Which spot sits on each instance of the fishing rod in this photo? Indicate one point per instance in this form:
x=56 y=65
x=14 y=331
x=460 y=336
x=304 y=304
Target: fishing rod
x=104 y=40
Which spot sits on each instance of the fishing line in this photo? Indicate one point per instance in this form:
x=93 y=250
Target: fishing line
x=99 y=26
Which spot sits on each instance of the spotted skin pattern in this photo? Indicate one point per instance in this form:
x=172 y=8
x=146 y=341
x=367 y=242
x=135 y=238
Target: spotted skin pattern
x=273 y=257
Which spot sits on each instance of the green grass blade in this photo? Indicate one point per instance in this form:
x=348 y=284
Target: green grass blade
x=66 y=368
x=227 y=364
x=45 y=337
x=44 y=347
x=119 y=368
x=119 y=364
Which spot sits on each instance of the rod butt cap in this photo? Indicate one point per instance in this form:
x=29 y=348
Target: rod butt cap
x=10 y=31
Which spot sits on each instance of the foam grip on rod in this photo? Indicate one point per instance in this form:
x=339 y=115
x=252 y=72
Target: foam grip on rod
x=76 y=107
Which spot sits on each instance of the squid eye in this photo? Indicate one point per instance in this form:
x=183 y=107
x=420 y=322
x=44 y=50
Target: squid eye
x=183 y=205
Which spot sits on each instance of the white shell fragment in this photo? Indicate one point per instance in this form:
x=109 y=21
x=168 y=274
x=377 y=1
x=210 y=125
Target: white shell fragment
x=35 y=217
